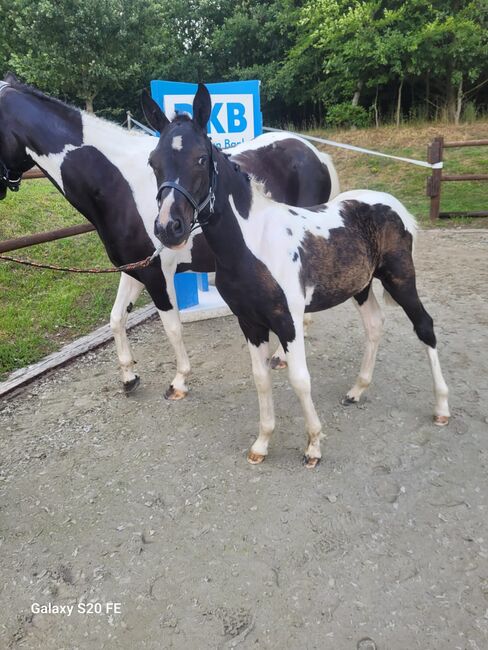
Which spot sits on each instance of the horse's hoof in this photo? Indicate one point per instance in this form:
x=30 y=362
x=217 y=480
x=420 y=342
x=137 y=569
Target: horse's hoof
x=309 y=462
x=347 y=401
x=175 y=394
x=130 y=386
x=254 y=458
x=441 y=420
x=277 y=364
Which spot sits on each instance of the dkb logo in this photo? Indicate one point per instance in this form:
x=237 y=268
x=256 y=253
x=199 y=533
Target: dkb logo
x=235 y=116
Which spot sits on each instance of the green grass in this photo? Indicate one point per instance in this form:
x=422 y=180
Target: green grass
x=408 y=182
x=42 y=310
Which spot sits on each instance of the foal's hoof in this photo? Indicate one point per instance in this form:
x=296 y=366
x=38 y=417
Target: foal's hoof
x=309 y=462
x=277 y=364
x=175 y=394
x=254 y=458
x=347 y=401
x=130 y=386
x=441 y=420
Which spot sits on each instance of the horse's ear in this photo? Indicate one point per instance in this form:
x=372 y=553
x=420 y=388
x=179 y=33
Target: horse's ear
x=10 y=78
x=153 y=114
x=202 y=107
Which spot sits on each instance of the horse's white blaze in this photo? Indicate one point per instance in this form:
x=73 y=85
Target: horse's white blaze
x=177 y=143
x=51 y=163
x=166 y=205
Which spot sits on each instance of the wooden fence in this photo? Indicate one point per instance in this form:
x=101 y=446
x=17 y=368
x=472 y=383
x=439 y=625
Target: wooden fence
x=435 y=154
x=42 y=237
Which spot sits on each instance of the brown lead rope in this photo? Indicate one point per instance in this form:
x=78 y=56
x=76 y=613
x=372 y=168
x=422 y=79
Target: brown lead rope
x=116 y=269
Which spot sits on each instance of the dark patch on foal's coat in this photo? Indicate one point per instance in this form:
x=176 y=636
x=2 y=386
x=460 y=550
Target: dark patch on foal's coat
x=343 y=265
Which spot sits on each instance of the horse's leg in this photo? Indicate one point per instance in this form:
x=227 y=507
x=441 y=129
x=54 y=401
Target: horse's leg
x=262 y=379
x=300 y=380
x=172 y=326
x=278 y=360
x=373 y=320
x=398 y=278
x=159 y=281
x=127 y=293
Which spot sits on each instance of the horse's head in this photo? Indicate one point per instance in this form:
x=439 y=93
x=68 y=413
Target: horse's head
x=184 y=167
x=13 y=158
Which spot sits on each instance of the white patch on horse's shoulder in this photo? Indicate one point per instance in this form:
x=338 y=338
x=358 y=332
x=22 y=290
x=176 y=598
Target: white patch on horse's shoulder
x=177 y=143
x=51 y=163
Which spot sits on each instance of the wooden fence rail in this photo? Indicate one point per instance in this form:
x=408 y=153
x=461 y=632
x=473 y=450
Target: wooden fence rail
x=435 y=154
x=42 y=237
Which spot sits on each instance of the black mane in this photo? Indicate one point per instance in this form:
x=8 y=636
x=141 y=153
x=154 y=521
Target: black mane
x=12 y=80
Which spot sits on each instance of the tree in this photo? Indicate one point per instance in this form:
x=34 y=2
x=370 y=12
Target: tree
x=79 y=48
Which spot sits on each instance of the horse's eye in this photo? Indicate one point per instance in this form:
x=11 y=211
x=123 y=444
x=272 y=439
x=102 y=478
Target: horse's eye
x=202 y=160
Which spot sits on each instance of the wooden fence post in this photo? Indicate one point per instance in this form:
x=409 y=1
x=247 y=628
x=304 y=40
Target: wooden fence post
x=435 y=155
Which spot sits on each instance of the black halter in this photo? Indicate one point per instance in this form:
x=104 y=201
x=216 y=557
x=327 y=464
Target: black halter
x=197 y=207
x=12 y=183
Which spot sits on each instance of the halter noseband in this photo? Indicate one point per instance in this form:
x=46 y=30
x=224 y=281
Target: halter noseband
x=13 y=184
x=197 y=207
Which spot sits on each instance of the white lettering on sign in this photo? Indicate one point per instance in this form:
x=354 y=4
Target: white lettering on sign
x=231 y=120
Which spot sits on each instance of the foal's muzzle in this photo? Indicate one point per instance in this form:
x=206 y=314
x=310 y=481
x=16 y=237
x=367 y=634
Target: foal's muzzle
x=173 y=234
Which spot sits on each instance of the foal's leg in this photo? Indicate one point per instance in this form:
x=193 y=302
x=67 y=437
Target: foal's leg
x=278 y=360
x=300 y=380
x=262 y=379
x=172 y=327
x=402 y=288
x=127 y=293
x=373 y=320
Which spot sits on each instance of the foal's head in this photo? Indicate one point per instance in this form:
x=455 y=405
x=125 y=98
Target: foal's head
x=184 y=167
x=13 y=159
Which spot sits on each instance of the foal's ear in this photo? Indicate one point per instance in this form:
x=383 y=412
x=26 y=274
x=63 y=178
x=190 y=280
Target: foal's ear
x=202 y=107
x=153 y=114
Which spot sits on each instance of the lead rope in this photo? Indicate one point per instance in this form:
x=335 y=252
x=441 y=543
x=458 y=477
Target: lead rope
x=68 y=269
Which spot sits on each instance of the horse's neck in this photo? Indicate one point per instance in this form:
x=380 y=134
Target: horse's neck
x=233 y=197
x=104 y=149
x=79 y=129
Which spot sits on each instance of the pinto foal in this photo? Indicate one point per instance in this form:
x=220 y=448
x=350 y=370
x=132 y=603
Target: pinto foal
x=275 y=262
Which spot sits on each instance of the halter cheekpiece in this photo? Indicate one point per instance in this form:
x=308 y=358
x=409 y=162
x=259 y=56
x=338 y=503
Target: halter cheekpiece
x=13 y=184
x=197 y=207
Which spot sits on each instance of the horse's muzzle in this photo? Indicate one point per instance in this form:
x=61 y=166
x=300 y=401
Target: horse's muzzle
x=174 y=234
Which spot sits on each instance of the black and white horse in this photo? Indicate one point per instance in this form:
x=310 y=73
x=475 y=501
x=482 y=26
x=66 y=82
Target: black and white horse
x=102 y=171
x=275 y=262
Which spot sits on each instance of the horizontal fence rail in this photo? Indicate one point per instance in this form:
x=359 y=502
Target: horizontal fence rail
x=42 y=237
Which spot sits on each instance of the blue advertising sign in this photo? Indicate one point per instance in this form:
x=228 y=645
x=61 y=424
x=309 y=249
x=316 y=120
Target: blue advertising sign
x=236 y=109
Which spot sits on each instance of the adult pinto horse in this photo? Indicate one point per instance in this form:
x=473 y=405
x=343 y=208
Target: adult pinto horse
x=275 y=262
x=102 y=171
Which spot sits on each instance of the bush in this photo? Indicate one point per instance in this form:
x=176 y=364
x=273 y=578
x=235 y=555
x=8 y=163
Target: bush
x=347 y=115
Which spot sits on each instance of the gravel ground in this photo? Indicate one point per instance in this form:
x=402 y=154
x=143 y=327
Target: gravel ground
x=152 y=505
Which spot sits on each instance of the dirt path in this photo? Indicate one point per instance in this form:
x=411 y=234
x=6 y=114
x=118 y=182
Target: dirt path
x=152 y=504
